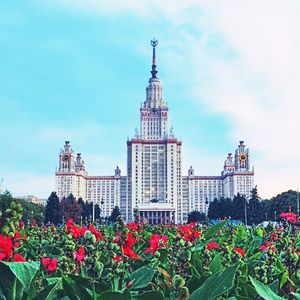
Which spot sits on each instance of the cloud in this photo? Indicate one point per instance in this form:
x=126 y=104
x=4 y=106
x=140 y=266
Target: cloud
x=242 y=61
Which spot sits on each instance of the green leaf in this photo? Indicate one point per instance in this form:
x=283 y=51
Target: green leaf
x=10 y=287
x=259 y=232
x=214 y=229
x=279 y=265
x=112 y=295
x=24 y=271
x=73 y=290
x=216 y=285
x=274 y=286
x=240 y=233
x=193 y=283
x=197 y=262
x=199 y=247
x=216 y=264
x=284 y=279
x=52 y=280
x=141 y=277
x=255 y=244
x=151 y=295
x=264 y=291
x=49 y=292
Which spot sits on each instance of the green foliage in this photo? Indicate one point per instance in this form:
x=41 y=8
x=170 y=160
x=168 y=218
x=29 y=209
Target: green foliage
x=141 y=277
x=264 y=291
x=11 y=214
x=216 y=285
x=184 y=262
x=196 y=216
x=213 y=230
x=24 y=210
x=114 y=214
x=71 y=209
x=53 y=213
x=16 y=278
x=257 y=210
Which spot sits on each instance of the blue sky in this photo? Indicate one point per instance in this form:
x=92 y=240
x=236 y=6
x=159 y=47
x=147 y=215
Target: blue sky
x=77 y=70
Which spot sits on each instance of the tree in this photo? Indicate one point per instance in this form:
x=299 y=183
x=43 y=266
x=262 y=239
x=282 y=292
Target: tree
x=5 y=200
x=254 y=208
x=71 y=209
x=86 y=213
x=283 y=202
x=53 y=212
x=32 y=211
x=97 y=211
x=214 y=209
x=238 y=207
x=196 y=216
x=114 y=214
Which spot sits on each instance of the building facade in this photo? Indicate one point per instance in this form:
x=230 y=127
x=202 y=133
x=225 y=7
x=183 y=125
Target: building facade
x=154 y=183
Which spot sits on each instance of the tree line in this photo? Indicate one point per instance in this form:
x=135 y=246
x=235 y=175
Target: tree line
x=58 y=211
x=30 y=210
x=252 y=210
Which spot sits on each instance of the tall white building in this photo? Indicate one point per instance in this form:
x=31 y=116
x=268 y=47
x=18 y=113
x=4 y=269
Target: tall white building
x=154 y=183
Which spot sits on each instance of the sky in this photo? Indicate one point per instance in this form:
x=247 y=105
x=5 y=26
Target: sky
x=77 y=70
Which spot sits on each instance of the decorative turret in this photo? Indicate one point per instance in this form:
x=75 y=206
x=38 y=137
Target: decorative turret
x=154 y=88
x=79 y=164
x=191 y=172
x=228 y=164
x=66 y=159
x=117 y=172
x=241 y=158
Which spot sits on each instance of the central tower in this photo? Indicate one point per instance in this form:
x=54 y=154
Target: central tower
x=154 y=159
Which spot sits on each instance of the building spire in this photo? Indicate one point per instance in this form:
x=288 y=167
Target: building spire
x=154 y=43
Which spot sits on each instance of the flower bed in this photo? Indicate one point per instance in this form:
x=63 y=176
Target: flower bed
x=137 y=261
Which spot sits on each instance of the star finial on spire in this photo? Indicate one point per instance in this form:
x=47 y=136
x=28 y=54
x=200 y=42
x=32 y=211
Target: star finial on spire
x=154 y=43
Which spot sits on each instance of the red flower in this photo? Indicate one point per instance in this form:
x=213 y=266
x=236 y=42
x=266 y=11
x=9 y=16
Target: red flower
x=6 y=247
x=212 y=245
x=188 y=232
x=155 y=243
x=289 y=217
x=50 y=264
x=17 y=238
x=132 y=226
x=117 y=258
x=267 y=246
x=96 y=233
x=19 y=258
x=274 y=236
x=21 y=225
x=127 y=247
x=239 y=250
x=80 y=254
